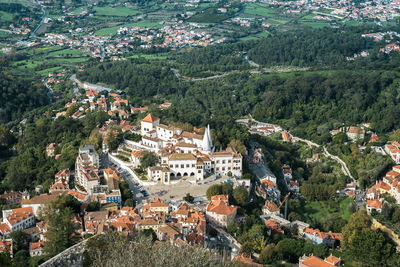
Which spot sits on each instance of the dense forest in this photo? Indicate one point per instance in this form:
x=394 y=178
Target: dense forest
x=137 y=78
x=19 y=95
x=313 y=48
x=31 y=167
x=309 y=103
x=309 y=47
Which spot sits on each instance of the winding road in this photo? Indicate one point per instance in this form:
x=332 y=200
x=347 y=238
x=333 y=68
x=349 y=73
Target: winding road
x=345 y=170
x=310 y=143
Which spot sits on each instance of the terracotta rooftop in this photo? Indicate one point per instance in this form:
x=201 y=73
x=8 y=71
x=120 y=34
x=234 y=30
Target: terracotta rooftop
x=220 y=207
x=150 y=118
x=316 y=262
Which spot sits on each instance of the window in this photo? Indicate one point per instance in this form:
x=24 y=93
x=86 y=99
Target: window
x=171 y=165
x=229 y=161
x=176 y=165
x=187 y=165
x=198 y=171
x=182 y=166
x=217 y=160
x=192 y=165
x=223 y=162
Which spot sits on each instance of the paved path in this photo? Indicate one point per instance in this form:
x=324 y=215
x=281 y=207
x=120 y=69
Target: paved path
x=310 y=143
x=343 y=165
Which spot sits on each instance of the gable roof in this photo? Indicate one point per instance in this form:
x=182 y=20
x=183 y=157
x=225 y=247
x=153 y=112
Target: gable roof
x=316 y=262
x=150 y=118
x=220 y=207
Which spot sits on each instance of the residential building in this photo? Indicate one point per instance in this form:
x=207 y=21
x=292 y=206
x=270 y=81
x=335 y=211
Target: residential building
x=378 y=189
x=313 y=261
x=221 y=213
x=227 y=162
x=149 y=223
x=86 y=168
x=135 y=158
x=50 y=149
x=63 y=174
x=19 y=219
x=270 y=208
x=112 y=178
x=317 y=237
x=286 y=137
x=148 y=124
x=374 y=204
x=393 y=150
x=355 y=133
x=168 y=232
x=36 y=248
x=12 y=198
x=38 y=202
x=287 y=172
x=157 y=205
x=102 y=194
x=294 y=186
x=158 y=173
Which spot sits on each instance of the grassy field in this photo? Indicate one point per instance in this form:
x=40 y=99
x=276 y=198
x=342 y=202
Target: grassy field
x=255 y=36
x=115 y=11
x=5 y=16
x=46 y=72
x=260 y=10
x=22 y=2
x=29 y=64
x=69 y=52
x=316 y=210
x=78 y=10
x=113 y=30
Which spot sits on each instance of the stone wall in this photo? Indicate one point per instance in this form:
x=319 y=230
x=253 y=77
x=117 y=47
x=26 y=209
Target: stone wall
x=70 y=257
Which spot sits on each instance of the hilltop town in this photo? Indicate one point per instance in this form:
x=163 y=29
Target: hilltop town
x=224 y=133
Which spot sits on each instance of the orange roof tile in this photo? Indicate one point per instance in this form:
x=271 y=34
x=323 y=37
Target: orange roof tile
x=316 y=262
x=150 y=118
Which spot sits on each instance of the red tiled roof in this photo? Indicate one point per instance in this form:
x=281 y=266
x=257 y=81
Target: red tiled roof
x=150 y=118
x=316 y=262
x=374 y=203
x=220 y=207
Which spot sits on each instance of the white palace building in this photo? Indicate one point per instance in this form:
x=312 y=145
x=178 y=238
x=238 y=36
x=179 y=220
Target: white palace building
x=184 y=153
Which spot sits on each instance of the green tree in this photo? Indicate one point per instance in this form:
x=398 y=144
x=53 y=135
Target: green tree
x=371 y=248
x=93 y=206
x=130 y=203
x=61 y=232
x=20 y=258
x=241 y=196
x=149 y=159
x=213 y=190
x=238 y=146
x=267 y=255
x=5 y=258
x=227 y=189
x=359 y=222
x=20 y=241
x=188 y=198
